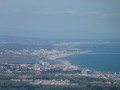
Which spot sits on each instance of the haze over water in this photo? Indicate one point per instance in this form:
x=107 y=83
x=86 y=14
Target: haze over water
x=74 y=19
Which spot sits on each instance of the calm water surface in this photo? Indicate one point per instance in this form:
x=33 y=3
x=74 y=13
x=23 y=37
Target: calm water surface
x=106 y=57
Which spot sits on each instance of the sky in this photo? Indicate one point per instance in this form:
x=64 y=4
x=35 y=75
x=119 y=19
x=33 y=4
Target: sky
x=76 y=19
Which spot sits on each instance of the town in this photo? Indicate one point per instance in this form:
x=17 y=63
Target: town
x=26 y=73
x=40 y=66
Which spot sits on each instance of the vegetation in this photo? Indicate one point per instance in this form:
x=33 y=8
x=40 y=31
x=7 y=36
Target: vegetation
x=84 y=83
x=10 y=85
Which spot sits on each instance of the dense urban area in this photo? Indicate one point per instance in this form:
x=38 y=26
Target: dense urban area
x=26 y=65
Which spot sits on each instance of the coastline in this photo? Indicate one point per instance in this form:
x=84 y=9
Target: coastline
x=64 y=58
x=59 y=57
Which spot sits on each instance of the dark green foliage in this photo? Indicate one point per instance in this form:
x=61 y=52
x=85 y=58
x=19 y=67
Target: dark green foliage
x=10 y=85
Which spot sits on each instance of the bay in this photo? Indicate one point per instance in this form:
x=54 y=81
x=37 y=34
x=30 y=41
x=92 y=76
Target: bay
x=105 y=57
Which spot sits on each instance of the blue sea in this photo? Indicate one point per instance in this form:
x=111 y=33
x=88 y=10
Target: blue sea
x=106 y=57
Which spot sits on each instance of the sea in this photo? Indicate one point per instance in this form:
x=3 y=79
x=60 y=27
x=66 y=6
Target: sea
x=105 y=57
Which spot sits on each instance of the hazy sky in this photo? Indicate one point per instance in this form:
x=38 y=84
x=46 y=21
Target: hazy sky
x=83 y=19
